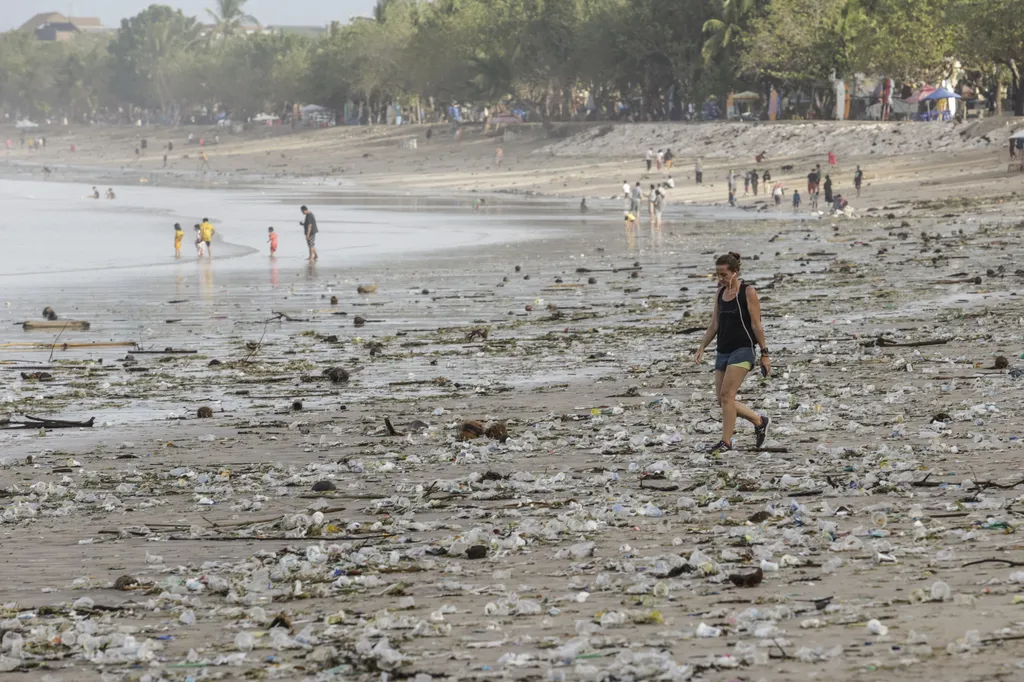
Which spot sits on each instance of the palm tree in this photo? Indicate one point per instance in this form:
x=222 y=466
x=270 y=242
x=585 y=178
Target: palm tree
x=230 y=17
x=726 y=30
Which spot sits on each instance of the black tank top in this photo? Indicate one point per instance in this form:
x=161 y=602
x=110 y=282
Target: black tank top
x=735 y=330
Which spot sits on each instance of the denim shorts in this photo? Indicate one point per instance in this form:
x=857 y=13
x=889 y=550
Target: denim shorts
x=744 y=357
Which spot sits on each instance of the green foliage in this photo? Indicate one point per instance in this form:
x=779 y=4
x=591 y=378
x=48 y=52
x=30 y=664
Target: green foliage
x=151 y=52
x=535 y=53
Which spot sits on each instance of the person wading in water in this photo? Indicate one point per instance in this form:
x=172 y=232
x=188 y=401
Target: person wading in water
x=736 y=321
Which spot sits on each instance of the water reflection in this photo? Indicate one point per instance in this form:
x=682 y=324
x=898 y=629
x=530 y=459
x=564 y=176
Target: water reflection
x=206 y=280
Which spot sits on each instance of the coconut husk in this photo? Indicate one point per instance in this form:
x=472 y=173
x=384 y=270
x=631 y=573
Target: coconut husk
x=471 y=430
x=497 y=431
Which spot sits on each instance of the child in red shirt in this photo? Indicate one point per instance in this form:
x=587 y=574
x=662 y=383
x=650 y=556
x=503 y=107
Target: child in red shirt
x=273 y=240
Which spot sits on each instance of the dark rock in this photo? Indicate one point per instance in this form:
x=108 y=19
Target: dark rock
x=204 y=412
x=476 y=552
x=417 y=426
x=747 y=579
x=324 y=487
x=338 y=375
x=334 y=300
x=214 y=363
x=297 y=405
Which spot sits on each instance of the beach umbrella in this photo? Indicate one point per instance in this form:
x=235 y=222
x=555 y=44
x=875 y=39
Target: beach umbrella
x=748 y=96
x=920 y=94
x=941 y=93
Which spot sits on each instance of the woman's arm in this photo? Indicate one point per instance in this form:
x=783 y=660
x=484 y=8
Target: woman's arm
x=711 y=332
x=754 y=307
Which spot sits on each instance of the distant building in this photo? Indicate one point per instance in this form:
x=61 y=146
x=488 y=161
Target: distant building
x=308 y=31
x=53 y=26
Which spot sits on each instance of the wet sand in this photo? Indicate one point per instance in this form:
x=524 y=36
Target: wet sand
x=607 y=415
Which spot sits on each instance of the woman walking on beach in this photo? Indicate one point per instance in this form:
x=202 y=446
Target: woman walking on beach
x=736 y=322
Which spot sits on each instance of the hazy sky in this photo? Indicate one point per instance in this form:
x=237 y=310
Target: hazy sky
x=301 y=12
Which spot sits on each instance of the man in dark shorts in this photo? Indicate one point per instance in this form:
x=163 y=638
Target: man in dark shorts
x=309 y=229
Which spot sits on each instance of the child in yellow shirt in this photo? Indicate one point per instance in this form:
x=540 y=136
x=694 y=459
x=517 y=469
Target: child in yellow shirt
x=179 y=234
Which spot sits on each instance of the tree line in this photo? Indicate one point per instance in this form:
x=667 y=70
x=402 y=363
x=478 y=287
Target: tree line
x=557 y=59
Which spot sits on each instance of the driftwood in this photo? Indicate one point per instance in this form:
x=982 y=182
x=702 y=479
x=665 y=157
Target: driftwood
x=40 y=345
x=51 y=325
x=40 y=423
x=883 y=342
x=287 y=318
x=165 y=351
x=993 y=561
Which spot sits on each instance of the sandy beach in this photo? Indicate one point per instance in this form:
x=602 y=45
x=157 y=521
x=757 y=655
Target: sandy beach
x=341 y=529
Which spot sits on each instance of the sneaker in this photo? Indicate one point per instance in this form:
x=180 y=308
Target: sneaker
x=721 y=447
x=761 y=431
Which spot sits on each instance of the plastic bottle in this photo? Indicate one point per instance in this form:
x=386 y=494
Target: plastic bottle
x=244 y=642
x=940 y=591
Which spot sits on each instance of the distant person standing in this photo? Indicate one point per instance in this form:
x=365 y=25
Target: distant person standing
x=730 y=180
x=858 y=178
x=828 y=189
x=499 y=155
x=199 y=240
x=309 y=229
x=832 y=160
x=204 y=162
x=812 y=182
x=669 y=158
x=206 y=231
x=658 y=205
x=796 y=201
x=754 y=178
x=698 y=171
x=649 y=159
x=625 y=190
x=272 y=240
x=659 y=159
x=634 y=199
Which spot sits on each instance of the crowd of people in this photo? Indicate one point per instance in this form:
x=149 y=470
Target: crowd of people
x=820 y=186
